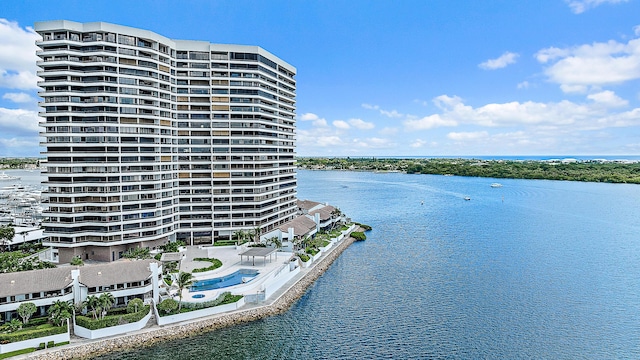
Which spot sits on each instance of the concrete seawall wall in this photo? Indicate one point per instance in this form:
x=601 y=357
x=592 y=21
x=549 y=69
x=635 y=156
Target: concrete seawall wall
x=151 y=336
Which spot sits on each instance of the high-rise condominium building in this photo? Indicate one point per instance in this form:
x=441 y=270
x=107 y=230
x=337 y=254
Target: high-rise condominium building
x=150 y=139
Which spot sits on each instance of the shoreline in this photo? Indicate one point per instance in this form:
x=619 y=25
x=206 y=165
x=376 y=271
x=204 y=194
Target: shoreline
x=153 y=335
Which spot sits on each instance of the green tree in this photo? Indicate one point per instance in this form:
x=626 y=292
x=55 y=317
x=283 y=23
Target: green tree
x=26 y=310
x=76 y=261
x=106 y=302
x=168 y=306
x=183 y=281
x=134 y=305
x=6 y=235
x=92 y=302
x=275 y=241
x=59 y=311
x=239 y=236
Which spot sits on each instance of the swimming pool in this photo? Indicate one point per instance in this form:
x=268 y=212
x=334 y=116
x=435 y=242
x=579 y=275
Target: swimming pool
x=236 y=278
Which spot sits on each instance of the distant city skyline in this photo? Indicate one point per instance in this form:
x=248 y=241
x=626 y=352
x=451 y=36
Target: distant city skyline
x=386 y=78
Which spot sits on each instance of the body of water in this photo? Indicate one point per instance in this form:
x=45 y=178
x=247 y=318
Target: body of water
x=534 y=269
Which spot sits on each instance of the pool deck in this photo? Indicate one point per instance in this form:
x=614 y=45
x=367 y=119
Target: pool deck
x=230 y=258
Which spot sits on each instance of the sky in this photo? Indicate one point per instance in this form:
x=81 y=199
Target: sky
x=393 y=78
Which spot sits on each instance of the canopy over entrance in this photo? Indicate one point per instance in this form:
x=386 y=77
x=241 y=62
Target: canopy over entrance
x=258 y=251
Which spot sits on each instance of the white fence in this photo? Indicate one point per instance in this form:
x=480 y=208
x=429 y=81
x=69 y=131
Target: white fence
x=111 y=330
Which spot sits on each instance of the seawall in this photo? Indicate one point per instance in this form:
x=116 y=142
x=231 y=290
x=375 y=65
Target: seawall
x=153 y=335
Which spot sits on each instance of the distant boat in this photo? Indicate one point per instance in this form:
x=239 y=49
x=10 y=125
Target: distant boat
x=467 y=198
x=5 y=177
x=496 y=185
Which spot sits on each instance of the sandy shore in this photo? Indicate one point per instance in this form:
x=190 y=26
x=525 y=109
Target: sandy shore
x=280 y=302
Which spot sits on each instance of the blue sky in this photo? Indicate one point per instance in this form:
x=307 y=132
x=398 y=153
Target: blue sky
x=394 y=78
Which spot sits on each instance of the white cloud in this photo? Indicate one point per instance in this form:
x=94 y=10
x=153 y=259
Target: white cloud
x=18 y=97
x=20 y=146
x=309 y=117
x=361 y=124
x=466 y=136
x=341 y=124
x=636 y=30
x=391 y=114
x=387 y=113
x=429 y=122
x=608 y=98
x=418 y=143
x=523 y=85
x=580 y=6
x=597 y=64
x=17 y=56
x=575 y=89
x=18 y=122
x=503 y=61
x=315 y=119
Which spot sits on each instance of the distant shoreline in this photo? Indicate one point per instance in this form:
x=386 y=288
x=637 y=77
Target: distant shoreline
x=568 y=169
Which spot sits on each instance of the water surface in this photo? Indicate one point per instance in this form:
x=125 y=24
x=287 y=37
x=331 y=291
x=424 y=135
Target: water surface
x=535 y=269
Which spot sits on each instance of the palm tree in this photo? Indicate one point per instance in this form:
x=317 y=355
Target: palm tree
x=106 y=302
x=277 y=243
x=183 y=281
x=239 y=236
x=92 y=302
x=256 y=232
x=60 y=311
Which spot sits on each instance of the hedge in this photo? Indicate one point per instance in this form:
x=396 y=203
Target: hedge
x=113 y=320
x=358 y=235
x=224 y=243
x=215 y=263
x=222 y=299
x=206 y=304
x=32 y=333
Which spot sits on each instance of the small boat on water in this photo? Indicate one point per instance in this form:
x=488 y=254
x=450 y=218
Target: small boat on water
x=467 y=198
x=5 y=177
x=496 y=185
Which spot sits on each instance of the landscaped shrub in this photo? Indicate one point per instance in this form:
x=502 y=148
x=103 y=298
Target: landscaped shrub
x=206 y=304
x=304 y=257
x=312 y=251
x=111 y=320
x=76 y=261
x=224 y=243
x=358 y=235
x=215 y=263
x=134 y=306
x=167 y=307
x=171 y=309
x=32 y=333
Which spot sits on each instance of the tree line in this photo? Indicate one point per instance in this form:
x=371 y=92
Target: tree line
x=591 y=171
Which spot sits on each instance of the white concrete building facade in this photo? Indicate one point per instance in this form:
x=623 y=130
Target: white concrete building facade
x=150 y=139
